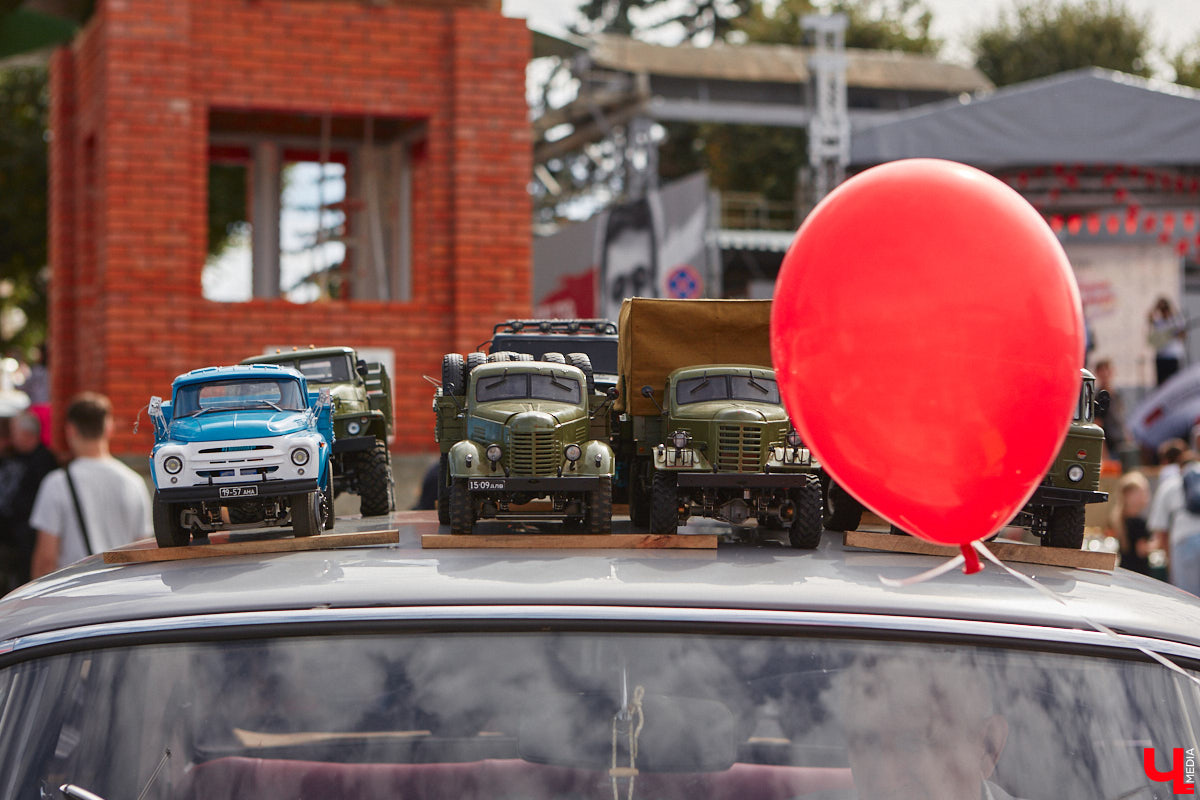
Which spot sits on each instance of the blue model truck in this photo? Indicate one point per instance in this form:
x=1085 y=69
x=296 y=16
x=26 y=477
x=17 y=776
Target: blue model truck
x=246 y=442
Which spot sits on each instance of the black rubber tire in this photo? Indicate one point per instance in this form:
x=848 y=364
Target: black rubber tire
x=306 y=512
x=842 y=511
x=523 y=357
x=806 y=529
x=664 y=503
x=597 y=519
x=639 y=493
x=443 y=490
x=375 y=481
x=243 y=514
x=584 y=362
x=554 y=358
x=474 y=359
x=168 y=531
x=326 y=513
x=453 y=371
x=462 y=514
x=1066 y=528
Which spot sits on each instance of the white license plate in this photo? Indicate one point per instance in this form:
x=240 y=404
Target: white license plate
x=239 y=491
x=484 y=485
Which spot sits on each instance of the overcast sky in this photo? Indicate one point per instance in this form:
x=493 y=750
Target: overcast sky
x=1174 y=23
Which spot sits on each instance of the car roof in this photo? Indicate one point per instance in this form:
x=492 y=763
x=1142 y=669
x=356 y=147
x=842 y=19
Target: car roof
x=732 y=582
x=206 y=374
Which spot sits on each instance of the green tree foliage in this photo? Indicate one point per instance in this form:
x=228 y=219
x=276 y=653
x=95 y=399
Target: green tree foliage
x=1043 y=38
x=695 y=18
x=24 y=112
x=1186 y=64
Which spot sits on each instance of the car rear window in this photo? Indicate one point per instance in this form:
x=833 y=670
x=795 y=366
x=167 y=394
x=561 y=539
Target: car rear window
x=581 y=714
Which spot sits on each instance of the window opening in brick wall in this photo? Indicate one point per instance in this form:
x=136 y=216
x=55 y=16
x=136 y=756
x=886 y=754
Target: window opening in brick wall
x=336 y=197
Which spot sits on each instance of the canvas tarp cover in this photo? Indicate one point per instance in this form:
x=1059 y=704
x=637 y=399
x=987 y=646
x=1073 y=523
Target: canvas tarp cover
x=659 y=336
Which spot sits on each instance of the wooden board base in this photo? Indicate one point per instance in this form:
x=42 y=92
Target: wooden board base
x=1016 y=552
x=219 y=545
x=559 y=541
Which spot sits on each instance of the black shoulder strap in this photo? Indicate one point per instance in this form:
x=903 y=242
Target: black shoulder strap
x=87 y=540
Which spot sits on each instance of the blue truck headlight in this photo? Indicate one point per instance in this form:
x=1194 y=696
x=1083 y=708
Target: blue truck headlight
x=494 y=453
x=572 y=452
x=173 y=464
x=299 y=456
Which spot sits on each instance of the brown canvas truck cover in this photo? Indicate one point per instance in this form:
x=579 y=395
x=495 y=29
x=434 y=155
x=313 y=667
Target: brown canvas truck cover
x=659 y=336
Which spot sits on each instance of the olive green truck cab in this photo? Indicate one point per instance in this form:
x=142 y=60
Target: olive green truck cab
x=701 y=429
x=513 y=431
x=362 y=419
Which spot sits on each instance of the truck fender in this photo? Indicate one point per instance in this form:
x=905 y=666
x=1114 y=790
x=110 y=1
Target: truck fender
x=598 y=458
x=479 y=465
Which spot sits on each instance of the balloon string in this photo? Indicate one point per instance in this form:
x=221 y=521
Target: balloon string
x=927 y=575
x=1125 y=641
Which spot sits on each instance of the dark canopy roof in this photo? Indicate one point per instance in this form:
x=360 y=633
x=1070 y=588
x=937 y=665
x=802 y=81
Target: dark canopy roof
x=1091 y=116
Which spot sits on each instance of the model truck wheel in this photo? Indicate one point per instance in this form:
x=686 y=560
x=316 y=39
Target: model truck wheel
x=375 y=481
x=639 y=494
x=245 y=513
x=327 y=517
x=452 y=374
x=598 y=518
x=842 y=511
x=462 y=516
x=474 y=359
x=306 y=514
x=1065 y=528
x=584 y=362
x=443 y=490
x=805 y=532
x=554 y=358
x=168 y=531
x=664 y=504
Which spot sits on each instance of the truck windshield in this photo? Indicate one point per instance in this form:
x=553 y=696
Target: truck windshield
x=528 y=386
x=326 y=369
x=727 y=387
x=235 y=395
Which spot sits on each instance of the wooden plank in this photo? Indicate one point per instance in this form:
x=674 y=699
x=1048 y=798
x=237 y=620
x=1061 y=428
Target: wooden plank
x=219 y=545
x=1016 y=552
x=558 y=541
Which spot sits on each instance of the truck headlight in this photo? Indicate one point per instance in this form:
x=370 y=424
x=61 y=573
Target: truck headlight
x=680 y=439
x=793 y=438
x=494 y=453
x=572 y=452
x=1075 y=473
x=172 y=464
x=299 y=456
x=353 y=428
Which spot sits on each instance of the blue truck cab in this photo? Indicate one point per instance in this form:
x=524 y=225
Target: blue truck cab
x=241 y=446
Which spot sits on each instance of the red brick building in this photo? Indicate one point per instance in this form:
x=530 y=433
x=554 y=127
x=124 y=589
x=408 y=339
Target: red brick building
x=151 y=92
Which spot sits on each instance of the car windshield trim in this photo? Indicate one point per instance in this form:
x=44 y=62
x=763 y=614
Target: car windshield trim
x=297 y=622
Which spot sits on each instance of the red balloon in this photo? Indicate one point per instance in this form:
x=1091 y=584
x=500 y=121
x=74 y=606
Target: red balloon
x=927 y=335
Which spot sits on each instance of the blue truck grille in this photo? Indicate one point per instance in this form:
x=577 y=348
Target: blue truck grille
x=533 y=454
x=739 y=448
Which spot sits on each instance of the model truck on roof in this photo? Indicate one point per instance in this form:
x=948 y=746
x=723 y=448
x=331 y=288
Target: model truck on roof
x=251 y=439
x=512 y=430
x=702 y=430
x=1056 y=511
x=362 y=419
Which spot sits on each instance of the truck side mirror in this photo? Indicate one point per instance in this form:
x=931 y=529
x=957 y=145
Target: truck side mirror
x=613 y=393
x=647 y=391
x=361 y=368
x=1102 y=401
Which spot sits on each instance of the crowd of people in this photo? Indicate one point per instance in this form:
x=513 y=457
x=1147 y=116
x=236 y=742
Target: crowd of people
x=52 y=512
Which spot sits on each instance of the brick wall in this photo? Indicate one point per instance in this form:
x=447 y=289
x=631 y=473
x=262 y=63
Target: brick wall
x=130 y=111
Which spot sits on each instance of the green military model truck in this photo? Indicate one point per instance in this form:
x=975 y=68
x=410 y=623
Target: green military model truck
x=362 y=419
x=1055 y=512
x=513 y=431
x=701 y=428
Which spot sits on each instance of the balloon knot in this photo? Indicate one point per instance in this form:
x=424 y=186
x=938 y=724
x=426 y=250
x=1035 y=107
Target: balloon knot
x=971 y=563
